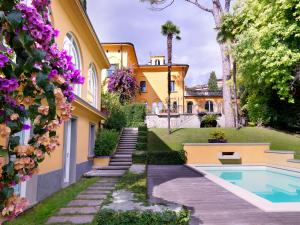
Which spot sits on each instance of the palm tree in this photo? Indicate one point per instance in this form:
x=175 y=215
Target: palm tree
x=170 y=30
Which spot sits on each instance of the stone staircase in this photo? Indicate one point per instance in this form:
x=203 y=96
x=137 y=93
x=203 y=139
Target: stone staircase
x=122 y=159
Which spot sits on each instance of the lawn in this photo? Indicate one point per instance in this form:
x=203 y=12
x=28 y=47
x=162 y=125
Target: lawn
x=41 y=212
x=159 y=140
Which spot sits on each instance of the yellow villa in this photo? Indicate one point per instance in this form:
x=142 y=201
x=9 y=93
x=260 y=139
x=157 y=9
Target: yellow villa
x=152 y=78
x=73 y=157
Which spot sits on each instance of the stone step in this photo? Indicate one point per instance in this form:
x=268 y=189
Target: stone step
x=96 y=192
x=132 y=136
x=79 y=210
x=122 y=156
x=107 y=188
x=121 y=160
x=109 y=173
x=112 y=167
x=126 y=146
x=129 y=163
x=125 y=151
x=80 y=219
x=91 y=196
x=85 y=203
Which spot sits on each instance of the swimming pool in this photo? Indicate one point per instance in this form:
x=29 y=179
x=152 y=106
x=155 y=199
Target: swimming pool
x=271 y=189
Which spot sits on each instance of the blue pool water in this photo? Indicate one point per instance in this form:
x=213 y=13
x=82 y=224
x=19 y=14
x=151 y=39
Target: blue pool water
x=275 y=185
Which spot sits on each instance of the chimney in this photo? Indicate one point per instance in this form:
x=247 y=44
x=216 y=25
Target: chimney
x=84 y=5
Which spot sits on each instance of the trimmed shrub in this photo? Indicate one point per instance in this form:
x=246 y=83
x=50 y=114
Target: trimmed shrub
x=143 y=133
x=141 y=146
x=209 y=121
x=135 y=114
x=116 y=120
x=166 y=158
x=139 y=157
x=106 y=142
x=142 y=138
x=135 y=217
x=143 y=128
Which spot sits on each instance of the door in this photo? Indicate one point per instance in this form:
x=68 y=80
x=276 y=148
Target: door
x=67 y=147
x=70 y=139
x=24 y=135
x=92 y=139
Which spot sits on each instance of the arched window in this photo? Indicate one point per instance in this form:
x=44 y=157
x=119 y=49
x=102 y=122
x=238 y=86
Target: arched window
x=209 y=106
x=92 y=85
x=71 y=46
x=190 y=107
x=157 y=62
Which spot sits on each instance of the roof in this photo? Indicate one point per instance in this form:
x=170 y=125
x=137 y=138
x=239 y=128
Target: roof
x=92 y=30
x=121 y=44
x=192 y=93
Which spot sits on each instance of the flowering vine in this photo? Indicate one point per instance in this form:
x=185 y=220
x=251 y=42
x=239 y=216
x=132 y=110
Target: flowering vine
x=123 y=82
x=36 y=84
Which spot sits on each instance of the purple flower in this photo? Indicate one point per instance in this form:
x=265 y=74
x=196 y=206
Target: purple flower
x=3 y=60
x=26 y=127
x=8 y=85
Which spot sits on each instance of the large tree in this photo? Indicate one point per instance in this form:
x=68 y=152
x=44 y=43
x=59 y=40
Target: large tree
x=170 y=30
x=217 y=9
x=268 y=55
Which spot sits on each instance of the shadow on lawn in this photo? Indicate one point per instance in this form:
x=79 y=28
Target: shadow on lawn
x=159 y=153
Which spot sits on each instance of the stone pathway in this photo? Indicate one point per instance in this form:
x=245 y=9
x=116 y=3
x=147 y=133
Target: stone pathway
x=86 y=205
x=122 y=159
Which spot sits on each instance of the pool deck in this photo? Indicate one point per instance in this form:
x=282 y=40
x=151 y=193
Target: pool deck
x=210 y=203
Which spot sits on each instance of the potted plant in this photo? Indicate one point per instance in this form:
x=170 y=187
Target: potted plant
x=105 y=145
x=217 y=137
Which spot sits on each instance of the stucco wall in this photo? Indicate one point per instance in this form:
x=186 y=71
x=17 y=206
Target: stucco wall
x=199 y=153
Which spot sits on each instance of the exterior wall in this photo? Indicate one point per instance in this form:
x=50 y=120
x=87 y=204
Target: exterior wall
x=199 y=103
x=69 y=17
x=282 y=158
x=251 y=153
x=178 y=121
x=156 y=78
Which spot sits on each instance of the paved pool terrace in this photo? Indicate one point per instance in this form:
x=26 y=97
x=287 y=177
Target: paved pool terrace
x=210 y=203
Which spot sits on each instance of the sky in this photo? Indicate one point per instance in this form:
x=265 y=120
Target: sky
x=135 y=22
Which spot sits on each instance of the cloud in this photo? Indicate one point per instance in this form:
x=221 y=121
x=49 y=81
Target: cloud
x=133 y=21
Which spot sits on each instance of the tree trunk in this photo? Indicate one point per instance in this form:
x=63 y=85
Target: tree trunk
x=226 y=68
x=169 y=43
x=236 y=112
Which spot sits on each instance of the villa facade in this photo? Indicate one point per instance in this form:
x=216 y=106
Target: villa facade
x=72 y=158
x=152 y=79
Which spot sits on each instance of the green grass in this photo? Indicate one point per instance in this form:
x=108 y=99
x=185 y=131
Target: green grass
x=136 y=183
x=159 y=140
x=41 y=212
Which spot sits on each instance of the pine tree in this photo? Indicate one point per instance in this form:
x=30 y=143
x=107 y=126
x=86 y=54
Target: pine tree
x=212 y=82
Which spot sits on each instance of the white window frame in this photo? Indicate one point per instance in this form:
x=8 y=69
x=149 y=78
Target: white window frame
x=93 y=85
x=72 y=48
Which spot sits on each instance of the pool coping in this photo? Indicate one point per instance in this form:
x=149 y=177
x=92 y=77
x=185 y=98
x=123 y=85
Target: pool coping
x=248 y=196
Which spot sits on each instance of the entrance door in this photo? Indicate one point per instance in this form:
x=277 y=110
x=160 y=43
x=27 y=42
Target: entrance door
x=70 y=151
x=92 y=139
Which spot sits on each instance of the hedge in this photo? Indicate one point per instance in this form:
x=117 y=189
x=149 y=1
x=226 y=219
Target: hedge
x=139 y=157
x=116 y=120
x=166 y=158
x=142 y=138
x=106 y=142
x=135 y=114
x=141 y=146
x=142 y=133
x=143 y=128
x=135 y=217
